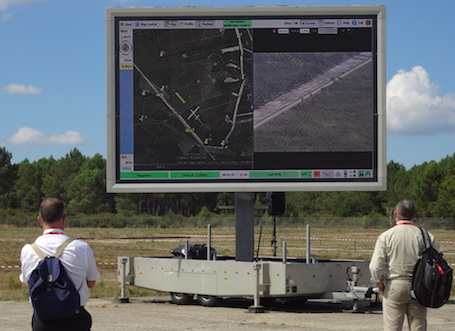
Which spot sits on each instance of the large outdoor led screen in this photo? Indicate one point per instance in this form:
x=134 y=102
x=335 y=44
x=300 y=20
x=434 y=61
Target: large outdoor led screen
x=246 y=99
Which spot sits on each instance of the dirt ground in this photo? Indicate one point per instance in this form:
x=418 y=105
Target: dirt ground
x=158 y=313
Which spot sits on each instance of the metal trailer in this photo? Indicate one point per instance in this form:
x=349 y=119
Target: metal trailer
x=266 y=277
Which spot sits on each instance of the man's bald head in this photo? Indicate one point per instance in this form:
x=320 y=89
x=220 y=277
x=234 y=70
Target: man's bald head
x=52 y=210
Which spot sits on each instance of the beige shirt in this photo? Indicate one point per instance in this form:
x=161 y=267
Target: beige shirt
x=396 y=253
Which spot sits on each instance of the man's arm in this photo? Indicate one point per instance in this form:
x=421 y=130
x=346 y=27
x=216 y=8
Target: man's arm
x=377 y=265
x=92 y=270
x=28 y=263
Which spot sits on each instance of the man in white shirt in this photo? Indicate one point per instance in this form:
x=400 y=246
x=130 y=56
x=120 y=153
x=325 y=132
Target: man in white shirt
x=395 y=254
x=77 y=258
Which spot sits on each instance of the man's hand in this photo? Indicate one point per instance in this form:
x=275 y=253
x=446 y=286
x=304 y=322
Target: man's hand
x=380 y=287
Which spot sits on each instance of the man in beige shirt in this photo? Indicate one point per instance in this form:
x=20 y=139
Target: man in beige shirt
x=392 y=264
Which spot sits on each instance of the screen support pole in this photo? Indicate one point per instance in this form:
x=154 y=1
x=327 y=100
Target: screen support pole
x=244 y=226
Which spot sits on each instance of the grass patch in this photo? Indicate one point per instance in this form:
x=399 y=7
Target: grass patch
x=108 y=244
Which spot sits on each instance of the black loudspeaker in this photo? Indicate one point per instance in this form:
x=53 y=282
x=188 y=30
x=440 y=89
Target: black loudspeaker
x=275 y=201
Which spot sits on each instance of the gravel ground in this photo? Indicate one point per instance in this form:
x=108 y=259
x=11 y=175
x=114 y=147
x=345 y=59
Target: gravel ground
x=158 y=313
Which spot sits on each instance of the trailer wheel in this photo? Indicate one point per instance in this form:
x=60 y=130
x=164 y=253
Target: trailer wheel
x=181 y=298
x=207 y=300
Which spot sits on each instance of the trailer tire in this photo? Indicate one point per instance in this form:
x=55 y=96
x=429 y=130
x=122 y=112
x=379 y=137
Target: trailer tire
x=181 y=298
x=207 y=300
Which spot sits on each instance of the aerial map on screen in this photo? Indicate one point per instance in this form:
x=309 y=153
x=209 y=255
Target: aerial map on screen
x=193 y=99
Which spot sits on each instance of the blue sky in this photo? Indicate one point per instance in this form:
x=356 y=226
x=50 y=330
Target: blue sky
x=53 y=75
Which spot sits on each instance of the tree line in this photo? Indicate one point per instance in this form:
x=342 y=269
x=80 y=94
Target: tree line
x=80 y=181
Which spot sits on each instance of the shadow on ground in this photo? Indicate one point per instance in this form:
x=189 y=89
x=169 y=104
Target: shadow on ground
x=291 y=306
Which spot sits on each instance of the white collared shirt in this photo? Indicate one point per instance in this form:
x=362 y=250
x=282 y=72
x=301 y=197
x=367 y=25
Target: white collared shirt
x=77 y=258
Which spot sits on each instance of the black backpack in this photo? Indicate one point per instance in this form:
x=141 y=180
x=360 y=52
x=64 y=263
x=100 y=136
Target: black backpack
x=432 y=277
x=52 y=292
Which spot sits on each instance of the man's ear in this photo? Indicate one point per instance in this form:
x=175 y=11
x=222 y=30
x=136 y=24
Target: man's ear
x=40 y=220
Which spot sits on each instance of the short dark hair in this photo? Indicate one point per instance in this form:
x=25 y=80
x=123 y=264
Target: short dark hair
x=52 y=210
x=405 y=209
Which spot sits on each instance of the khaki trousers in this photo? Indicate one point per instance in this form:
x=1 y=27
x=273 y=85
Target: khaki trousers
x=397 y=303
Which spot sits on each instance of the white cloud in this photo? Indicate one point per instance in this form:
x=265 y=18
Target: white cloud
x=4 y=4
x=20 y=89
x=414 y=105
x=30 y=136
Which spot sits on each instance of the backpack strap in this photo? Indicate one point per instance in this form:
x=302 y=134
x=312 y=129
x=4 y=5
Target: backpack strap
x=59 y=251
x=62 y=247
x=38 y=251
x=426 y=238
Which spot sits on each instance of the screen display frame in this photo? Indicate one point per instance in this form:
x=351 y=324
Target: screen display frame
x=194 y=181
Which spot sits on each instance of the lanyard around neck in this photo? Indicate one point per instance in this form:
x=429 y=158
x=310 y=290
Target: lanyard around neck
x=55 y=231
x=404 y=223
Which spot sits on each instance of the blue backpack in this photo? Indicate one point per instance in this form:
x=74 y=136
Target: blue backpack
x=52 y=292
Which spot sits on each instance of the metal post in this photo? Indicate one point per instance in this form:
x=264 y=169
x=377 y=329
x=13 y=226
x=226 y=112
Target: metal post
x=308 y=253
x=122 y=290
x=256 y=307
x=259 y=244
x=209 y=241
x=285 y=259
x=122 y=298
